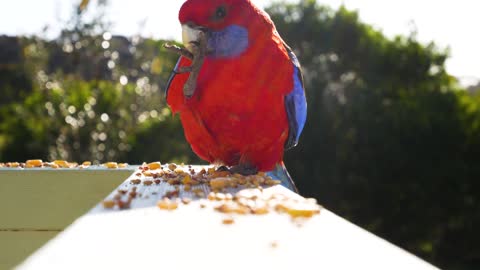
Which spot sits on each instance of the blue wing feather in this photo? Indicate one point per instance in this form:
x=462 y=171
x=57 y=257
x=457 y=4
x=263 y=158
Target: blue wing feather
x=295 y=104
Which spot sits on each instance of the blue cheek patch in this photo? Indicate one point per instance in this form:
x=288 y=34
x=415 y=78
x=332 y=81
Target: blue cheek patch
x=228 y=42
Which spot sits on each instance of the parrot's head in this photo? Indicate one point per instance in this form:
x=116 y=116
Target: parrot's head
x=229 y=25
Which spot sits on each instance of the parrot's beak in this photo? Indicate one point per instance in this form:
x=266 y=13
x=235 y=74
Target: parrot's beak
x=191 y=35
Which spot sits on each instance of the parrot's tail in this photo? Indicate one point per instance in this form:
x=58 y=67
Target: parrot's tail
x=280 y=173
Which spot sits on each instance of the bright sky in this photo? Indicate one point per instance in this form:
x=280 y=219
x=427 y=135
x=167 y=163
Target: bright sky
x=452 y=23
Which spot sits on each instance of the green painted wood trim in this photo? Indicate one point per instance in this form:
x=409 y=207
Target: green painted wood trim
x=52 y=199
x=16 y=246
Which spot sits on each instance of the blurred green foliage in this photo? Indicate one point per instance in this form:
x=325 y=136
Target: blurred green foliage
x=87 y=95
x=391 y=141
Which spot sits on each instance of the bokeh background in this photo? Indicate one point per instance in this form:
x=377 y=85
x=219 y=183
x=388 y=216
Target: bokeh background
x=392 y=141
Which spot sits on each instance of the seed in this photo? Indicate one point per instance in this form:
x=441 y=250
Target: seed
x=187 y=179
x=196 y=182
x=219 y=183
x=269 y=182
x=135 y=181
x=198 y=192
x=147 y=182
x=157 y=181
x=186 y=200
x=295 y=212
x=241 y=210
x=226 y=208
x=123 y=204
x=167 y=204
x=260 y=210
x=61 y=163
x=228 y=220
x=154 y=165
x=211 y=196
x=179 y=171
x=172 y=166
x=108 y=204
x=111 y=165
x=86 y=163
x=33 y=163
x=172 y=193
x=173 y=182
x=242 y=181
x=219 y=196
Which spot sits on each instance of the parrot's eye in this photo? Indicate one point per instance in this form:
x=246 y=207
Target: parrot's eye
x=220 y=13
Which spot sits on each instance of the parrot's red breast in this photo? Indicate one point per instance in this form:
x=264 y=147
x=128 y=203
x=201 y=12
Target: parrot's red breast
x=237 y=113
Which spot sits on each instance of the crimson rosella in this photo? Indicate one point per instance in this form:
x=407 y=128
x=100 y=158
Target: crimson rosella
x=249 y=104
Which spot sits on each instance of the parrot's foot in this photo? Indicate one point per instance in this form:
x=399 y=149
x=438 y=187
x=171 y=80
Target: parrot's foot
x=197 y=55
x=244 y=169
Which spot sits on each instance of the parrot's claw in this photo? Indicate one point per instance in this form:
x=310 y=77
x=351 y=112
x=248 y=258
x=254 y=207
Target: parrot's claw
x=181 y=51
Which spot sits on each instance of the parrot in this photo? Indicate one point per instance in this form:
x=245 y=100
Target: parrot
x=246 y=105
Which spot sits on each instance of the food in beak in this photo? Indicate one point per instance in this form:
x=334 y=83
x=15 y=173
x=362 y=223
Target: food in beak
x=190 y=37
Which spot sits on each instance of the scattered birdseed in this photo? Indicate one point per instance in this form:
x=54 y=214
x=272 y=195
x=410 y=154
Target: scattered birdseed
x=61 y=163
x=111 y=165
x=135 y=181
x=33 y=163
x=274 y=244
x=186 y=200
x=123 y=204
x=167 y=204
x=154 y=165
x=86 y=163
x=147 y=182
x=228 y=220
x=13 y=164
x=220 y=183
x=108 y=204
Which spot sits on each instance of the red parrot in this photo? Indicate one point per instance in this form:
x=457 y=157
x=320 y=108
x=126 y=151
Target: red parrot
x=248 y=104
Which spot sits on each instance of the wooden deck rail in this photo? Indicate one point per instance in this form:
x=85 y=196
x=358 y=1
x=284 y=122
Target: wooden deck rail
x=194 y=236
